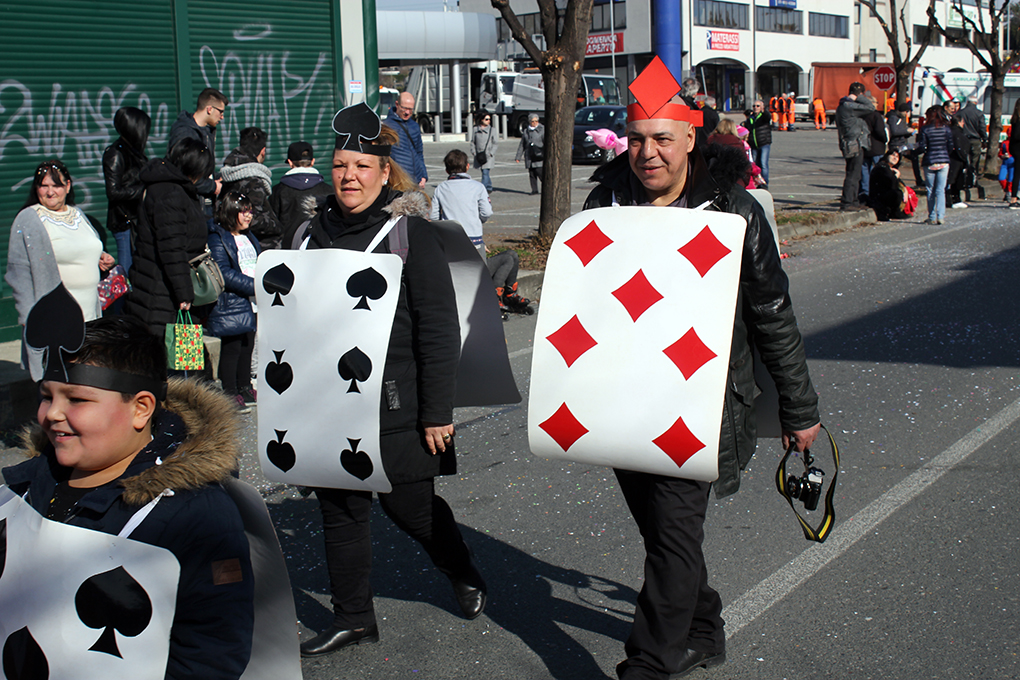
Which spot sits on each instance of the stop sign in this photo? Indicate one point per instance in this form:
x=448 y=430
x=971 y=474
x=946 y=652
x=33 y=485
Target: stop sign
x=885 y=78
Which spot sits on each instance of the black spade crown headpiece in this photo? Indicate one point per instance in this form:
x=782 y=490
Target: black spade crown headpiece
x=355 y=124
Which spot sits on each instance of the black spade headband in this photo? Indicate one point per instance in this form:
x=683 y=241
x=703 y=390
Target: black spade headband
x=355 y=124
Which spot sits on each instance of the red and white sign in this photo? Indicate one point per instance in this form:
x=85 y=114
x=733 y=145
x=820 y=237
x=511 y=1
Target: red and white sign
x=722 y=40
x=885 y=78
x=605 y=43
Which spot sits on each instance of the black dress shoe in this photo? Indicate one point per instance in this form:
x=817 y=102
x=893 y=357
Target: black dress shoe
x=470 y=592
x=333 y=639
x=694 y=659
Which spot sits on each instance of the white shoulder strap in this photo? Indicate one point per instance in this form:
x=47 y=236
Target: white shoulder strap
x=142 y=513
x=383 y=232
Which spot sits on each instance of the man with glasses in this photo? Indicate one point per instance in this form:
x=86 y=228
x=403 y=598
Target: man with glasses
x=760 y=138
x=409 y=153
x=201 y=126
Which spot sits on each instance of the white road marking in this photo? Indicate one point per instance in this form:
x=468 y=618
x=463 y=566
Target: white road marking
x=773 y=589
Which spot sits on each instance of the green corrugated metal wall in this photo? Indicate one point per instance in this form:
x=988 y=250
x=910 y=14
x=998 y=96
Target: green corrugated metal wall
x=62 y=80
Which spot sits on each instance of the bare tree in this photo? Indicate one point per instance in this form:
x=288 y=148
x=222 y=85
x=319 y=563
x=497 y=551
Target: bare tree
x=560 y=65
x=982 y=39
x=898 y=45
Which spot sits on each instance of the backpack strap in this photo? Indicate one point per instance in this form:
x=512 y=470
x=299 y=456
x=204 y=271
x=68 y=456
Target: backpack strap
x=397 y=238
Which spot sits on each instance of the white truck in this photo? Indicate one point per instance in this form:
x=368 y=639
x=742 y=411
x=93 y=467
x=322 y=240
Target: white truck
x=529 y=96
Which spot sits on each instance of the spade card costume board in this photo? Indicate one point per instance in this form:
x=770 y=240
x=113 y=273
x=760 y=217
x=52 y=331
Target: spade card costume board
x=633 y=339
x=77 y=603
x=323 y=330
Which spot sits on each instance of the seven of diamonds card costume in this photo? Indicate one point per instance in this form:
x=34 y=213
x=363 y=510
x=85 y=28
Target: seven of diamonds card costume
x=661 y=306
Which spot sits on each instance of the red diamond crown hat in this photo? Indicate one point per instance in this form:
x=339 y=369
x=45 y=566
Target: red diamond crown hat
x=653 y=89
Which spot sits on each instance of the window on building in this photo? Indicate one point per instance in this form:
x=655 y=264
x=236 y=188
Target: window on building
x=920 y=32
x=857 y=14
x=956 y=36
x=601 y=15
x=872 y=56
x=720 y=14
x=776 y=20
x=828 y=25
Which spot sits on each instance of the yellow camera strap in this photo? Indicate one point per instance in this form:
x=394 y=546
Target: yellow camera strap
x=829 y=519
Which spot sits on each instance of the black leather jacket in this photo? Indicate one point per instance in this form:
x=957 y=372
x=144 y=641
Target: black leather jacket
x=121 y=168
x=764 y=319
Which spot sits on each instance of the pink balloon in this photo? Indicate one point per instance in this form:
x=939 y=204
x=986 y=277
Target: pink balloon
x=607 y=139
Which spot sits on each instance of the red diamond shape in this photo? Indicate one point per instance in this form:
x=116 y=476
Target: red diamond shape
x=571 y=341
x=655 y=86
x=679 y=443
x=637 y=295
x=689 y=354
x=704 y=251
x=564 y=427
x=588 y=243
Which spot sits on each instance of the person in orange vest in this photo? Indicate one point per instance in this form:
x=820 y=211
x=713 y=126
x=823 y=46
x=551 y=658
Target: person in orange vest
x=781 y=111
x=774 y=110
x=790 y=115
x=820 y=123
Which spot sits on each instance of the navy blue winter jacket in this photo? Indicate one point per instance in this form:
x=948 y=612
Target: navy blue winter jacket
x=409 y=153
x=232 y=314
x=935 y=143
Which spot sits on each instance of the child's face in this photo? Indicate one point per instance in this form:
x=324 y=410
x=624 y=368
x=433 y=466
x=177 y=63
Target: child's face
x=93 y=431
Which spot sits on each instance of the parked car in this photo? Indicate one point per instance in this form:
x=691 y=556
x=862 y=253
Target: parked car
x=802 y=109
x=587 y=118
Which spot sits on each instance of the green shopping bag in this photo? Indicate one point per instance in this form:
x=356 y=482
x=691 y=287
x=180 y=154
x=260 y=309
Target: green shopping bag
x=184 y=347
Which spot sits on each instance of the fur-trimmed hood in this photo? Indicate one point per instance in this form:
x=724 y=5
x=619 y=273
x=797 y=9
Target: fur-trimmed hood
x=194 y=444
x=412 y=203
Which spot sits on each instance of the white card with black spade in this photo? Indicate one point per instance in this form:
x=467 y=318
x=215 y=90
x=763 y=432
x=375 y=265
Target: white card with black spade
x=324 y=326
x=633 y=338
x=77 y=603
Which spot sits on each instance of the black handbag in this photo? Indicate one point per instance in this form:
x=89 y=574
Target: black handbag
x=481 y=159
x=536 y=153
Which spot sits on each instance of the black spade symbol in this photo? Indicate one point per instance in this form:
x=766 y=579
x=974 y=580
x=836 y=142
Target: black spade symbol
x=356 y=367
x=356 y=462
x=113 y=600
x=3 y=545
x=278 y=281
x=24 y=658
x=368 y=283
x=55 y=323
x=279 y=374
x=355 y=123
x=280 y=453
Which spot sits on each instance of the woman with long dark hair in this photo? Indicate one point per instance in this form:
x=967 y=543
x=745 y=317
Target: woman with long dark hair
x=122 y=166
x=483 y=146
x=171 y=231
x=935 y=141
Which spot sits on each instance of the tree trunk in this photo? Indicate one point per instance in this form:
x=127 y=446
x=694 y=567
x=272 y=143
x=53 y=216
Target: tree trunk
x=903 y=78
x=998 y=86
x=560 y=97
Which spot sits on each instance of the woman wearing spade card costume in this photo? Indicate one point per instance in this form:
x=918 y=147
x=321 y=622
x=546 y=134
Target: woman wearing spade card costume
x=416 y=431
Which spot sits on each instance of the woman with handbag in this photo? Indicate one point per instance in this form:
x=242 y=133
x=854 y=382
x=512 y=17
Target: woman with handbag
x=532 y=150
x=483 y=147
x=171 y=232
x=53 y=242
x=232 y=319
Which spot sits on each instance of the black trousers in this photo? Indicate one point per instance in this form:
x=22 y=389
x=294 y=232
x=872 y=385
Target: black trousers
x=535 y=174
x=235 y=362
x=676 y=608
x=416 y=509
x=852 y=181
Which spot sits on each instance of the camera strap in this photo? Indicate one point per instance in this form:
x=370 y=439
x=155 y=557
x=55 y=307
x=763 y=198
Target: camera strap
x=829 y=519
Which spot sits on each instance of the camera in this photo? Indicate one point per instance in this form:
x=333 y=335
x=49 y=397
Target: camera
x=807 y=488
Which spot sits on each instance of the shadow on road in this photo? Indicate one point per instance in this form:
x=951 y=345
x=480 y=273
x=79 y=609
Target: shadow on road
x=521 y=586
x=969 y=323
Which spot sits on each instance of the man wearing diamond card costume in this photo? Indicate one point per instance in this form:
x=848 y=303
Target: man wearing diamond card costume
x=677 y=623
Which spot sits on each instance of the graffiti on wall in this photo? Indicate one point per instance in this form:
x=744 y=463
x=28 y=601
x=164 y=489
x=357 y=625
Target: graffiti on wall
x=264 y=86
x=75 y=126
x=266 y=91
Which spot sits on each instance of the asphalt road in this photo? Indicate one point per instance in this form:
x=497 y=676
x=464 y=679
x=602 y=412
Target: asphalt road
x=913 y=346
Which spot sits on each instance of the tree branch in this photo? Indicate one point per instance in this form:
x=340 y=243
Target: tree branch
x=517 y=31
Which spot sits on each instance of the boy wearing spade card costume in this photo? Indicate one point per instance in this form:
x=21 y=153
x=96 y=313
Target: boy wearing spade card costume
x=677 y=623
x=113 y=439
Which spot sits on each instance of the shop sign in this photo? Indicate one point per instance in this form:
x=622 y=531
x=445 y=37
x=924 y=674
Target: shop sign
x=783 y=4
x=956 y=15
x=723 y=40
x=605 y=43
